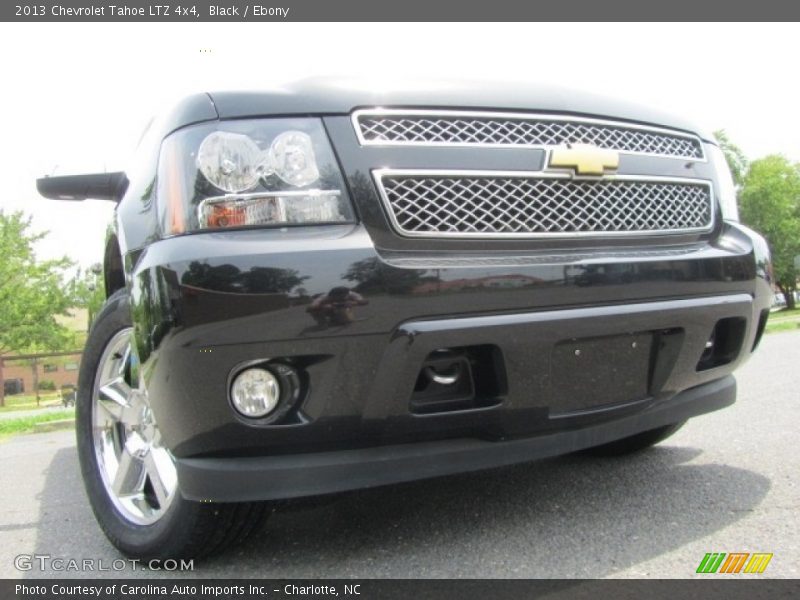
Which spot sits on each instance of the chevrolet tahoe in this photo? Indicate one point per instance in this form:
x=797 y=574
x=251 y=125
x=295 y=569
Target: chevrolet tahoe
x=333 y=285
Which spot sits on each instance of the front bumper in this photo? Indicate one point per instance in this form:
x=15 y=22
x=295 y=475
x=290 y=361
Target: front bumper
x=205 y=304
x=279 y=477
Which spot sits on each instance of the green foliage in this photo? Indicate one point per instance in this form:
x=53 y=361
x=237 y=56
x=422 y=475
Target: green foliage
x=737 y=161
x=47 y=384
x=787 y=325
x=770 y=203
x=369 y=278
x=87 y=290
x=783 y=320
x=27 y=424
x=229 y=278
x=32 y=292
x=28 y=401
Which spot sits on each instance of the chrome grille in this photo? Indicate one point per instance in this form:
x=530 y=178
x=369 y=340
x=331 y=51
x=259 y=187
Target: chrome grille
x=491 y=204
x=506 y=129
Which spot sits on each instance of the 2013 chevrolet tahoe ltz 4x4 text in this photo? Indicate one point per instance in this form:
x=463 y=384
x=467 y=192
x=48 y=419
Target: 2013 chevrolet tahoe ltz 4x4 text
x=323 y=288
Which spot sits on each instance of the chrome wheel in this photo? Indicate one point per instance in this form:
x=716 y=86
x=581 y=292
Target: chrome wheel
x=138 y=472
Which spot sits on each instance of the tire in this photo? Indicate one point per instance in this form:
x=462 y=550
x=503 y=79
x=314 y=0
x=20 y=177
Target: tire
x=635 y=443
x=144 y=524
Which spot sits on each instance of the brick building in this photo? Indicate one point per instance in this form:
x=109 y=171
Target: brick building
x=59 y=368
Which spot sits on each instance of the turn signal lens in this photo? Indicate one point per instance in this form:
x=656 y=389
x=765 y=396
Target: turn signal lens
x=311 y=206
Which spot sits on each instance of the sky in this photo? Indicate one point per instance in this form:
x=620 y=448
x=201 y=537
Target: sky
x=75 y=97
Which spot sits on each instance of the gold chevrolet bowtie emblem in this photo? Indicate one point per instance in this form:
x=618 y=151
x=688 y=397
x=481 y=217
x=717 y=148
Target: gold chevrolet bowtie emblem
x=585 y=159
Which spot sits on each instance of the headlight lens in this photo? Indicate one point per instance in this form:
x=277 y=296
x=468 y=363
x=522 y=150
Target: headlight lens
x=726 y=190
x=257 y=173
x=230 y=161
x=292 y=158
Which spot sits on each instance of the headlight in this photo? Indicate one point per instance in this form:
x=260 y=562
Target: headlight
x=256 y=173
x=230 y=161
x=726 y=190
x=292 y=158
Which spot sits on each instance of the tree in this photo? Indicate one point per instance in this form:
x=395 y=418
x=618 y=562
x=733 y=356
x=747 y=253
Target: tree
x=229 y=278
x=87 y=291
x=369 y=273
x=770 y=203
x=737 y=161
x=32 y=292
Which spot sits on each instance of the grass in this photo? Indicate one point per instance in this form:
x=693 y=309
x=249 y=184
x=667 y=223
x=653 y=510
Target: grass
x=786 y=325
x=783 y=320
x=26 y=424
x=28 y=401
x=785 y=313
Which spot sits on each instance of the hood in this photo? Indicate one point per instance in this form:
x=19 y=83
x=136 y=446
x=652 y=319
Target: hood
x=335 y=96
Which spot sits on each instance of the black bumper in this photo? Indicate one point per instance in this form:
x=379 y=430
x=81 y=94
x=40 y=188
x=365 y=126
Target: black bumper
x=277 y=477
x=588 y=346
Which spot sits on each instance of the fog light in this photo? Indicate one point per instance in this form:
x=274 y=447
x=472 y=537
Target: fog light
x=255 y=392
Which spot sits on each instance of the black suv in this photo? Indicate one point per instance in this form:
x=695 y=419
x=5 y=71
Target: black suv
x=327 y=287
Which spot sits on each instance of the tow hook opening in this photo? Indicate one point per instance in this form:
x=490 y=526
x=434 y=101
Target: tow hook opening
x=455 y=379
x=724 y=344
x=447 y=376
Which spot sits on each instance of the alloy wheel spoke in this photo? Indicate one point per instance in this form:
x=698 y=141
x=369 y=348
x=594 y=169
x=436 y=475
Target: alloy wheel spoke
x=129 y=479
x=124 y=360
x=161 y=472
x=117 y=390
x=112 y=410
x=157 y=440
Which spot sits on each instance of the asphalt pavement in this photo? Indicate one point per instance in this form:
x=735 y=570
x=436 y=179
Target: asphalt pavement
x=727 y=482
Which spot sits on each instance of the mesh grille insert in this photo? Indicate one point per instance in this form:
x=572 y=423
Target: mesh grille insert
x=424 y=205
x=530 y=131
